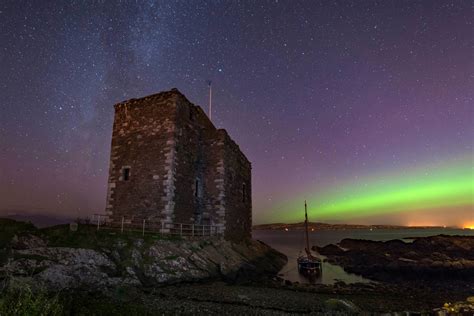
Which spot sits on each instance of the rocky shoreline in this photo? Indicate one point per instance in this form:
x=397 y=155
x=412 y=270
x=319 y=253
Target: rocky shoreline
x=60 y=259
x=104 y=272
x=440 y=258
x=430 y=269
x=222 y=298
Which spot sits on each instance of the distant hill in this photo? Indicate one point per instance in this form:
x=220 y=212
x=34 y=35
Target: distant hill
x=325 y=226
x=38 y=220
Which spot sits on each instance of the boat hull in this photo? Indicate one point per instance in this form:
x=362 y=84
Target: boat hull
x=309 y=266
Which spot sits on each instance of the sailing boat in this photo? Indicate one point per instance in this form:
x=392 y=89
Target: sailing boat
x=307 y=263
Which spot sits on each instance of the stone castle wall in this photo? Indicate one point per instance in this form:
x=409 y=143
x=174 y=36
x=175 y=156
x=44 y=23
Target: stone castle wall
x=181 y=169
x=143 y=140
x=237 y=190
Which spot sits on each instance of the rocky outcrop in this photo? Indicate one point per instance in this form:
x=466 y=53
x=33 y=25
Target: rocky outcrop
x=133 y=261
x=429 y=258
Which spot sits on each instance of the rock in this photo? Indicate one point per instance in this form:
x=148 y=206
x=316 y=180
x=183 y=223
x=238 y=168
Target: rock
x=131 y=261
x=329 y=250
x=360 y=244
x=341 y=305
x=27 y=241
x=243 y=297
x=429 y=258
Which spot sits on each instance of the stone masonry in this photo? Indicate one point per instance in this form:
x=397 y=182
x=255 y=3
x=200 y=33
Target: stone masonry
x=170 y=164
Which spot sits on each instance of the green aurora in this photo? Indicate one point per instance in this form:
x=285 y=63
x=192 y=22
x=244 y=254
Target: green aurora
x=439 y=186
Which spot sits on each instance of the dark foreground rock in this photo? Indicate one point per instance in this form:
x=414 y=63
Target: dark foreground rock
x=438 y=257
x=219 y=298
x=430 y=269
x=90 y=272
x=60 y=259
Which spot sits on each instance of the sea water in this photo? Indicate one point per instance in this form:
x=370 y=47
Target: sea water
x=291 y=243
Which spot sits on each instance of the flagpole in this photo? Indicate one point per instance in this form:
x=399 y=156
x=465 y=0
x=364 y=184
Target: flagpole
x=210 y=100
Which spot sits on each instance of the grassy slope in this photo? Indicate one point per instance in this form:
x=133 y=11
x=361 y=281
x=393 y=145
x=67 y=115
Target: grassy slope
x=8 y=229
x=87 y=236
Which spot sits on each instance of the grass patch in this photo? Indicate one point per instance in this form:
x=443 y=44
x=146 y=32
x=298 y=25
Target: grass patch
x=10 y=228
x=25 y=302
x=87 y=236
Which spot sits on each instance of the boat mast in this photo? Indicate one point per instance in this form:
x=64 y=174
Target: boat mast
x=306 y=229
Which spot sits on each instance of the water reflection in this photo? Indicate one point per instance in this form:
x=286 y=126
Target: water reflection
x=331 y=274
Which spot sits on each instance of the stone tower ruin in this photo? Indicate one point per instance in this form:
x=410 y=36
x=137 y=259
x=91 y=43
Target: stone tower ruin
x=170 y=164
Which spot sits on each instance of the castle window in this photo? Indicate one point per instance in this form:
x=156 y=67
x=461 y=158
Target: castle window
x=191 y=115
x=244 y=192
x=196 y=188
x=126 y=174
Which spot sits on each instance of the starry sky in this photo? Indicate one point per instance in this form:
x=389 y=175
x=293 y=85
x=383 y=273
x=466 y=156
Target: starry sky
x=364 y=108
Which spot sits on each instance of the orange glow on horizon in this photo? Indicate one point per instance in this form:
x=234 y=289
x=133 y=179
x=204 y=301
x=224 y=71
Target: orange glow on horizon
x=468 y=226
x=422 y=224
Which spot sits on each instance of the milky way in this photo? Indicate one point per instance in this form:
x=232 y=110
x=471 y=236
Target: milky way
x=322 y=97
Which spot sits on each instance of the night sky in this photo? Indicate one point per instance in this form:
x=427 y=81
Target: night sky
x=364 y=108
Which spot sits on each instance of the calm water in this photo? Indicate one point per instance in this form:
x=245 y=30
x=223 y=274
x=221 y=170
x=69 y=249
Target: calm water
x=291 y=243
